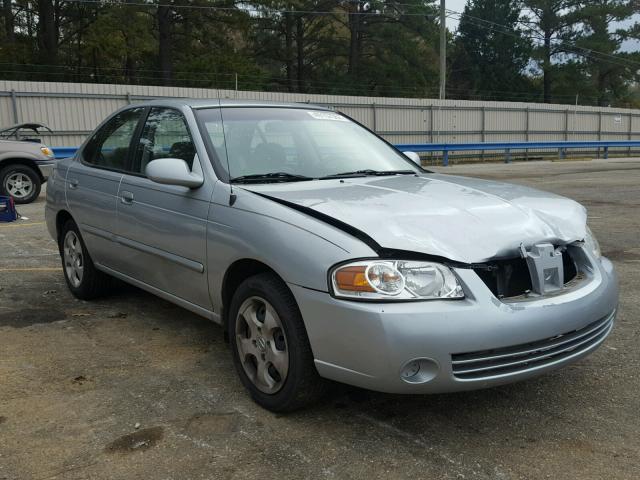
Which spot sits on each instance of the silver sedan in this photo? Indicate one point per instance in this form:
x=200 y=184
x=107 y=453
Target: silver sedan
x=327 y=254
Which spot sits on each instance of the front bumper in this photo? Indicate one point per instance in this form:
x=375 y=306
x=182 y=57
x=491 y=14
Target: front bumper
x=46 y=168
x=367 y=344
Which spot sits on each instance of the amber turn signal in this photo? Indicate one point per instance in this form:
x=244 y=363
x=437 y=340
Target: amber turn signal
x=353 y=279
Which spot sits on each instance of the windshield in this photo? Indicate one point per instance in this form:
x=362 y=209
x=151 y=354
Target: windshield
x=296 y=144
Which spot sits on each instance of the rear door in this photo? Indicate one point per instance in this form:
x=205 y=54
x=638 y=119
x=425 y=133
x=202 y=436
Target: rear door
x=162 y=228
x=93 y=180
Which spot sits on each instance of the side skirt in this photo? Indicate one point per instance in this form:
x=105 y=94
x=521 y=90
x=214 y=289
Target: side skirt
x=198 y=310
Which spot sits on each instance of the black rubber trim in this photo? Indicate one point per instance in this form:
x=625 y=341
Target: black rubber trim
x=345 y=227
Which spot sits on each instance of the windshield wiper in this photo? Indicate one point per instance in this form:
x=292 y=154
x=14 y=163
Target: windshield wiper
x=270 y=177
x=367 y=172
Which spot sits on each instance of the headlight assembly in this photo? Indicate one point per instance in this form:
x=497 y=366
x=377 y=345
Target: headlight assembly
x=395 y=280
x=47 y=151
x=591 y=243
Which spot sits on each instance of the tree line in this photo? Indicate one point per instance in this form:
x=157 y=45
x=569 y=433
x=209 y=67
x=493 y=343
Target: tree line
x=560 y=51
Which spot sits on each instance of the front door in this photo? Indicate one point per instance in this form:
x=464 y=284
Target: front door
x=162 y=228
x=93 y=180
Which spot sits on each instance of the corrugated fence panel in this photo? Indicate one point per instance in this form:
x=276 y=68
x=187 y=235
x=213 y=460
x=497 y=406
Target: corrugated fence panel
x=615 y=123
x=584 y=122
x=505 y=121
x=72 y=110
x=396 y=119
x=541 y=121
x=6 y=112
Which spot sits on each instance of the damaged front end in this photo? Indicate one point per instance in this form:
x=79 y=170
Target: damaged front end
x=543 y=270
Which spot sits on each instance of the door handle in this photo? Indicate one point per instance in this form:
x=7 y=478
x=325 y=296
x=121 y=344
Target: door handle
x=73 y=183
x=126 y=198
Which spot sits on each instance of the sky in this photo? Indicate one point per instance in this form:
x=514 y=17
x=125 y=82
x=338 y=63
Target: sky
x=458 y=6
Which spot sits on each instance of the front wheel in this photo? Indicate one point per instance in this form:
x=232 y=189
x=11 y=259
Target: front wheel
x=270 y=348
x=20 y=182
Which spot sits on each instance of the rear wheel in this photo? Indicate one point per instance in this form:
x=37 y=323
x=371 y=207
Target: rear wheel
x=270 y=348
x=82 y=277
x=20 y=182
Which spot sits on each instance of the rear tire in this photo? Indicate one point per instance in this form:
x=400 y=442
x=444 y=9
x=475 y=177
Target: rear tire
x=83 y=279
x=20 y=182
x=270 y=347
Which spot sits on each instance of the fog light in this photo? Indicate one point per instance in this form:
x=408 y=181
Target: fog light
x=410 y=369
x=419 y=370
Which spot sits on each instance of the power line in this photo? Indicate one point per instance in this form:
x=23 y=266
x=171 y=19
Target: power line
x=253 y=10
x=267 y=10
x=263 y=9
x=617 y=60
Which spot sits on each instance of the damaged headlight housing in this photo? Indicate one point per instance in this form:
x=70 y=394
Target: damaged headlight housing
x=591 y=243
x=395 y=280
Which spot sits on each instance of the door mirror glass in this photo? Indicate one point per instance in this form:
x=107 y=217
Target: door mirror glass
x=414 y=157
x=173 y=171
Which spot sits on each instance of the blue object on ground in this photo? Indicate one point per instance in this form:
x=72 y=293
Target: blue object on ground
x=8 y=211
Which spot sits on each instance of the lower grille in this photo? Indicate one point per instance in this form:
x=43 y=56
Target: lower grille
x=506 y=361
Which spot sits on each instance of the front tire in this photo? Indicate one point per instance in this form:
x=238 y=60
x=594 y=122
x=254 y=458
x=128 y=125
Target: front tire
x=83 y=279
x=20 y=182
x=270 y=348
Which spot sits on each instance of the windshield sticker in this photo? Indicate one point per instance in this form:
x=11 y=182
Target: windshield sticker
x=326 y=116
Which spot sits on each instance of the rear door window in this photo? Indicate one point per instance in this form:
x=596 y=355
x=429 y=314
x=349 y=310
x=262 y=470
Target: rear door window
x=109 y=147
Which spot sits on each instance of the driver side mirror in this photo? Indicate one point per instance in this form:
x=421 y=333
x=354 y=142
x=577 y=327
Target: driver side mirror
x=173 y=171
x=414 y=157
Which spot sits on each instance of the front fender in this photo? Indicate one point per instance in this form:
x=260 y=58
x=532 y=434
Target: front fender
x=299 y=248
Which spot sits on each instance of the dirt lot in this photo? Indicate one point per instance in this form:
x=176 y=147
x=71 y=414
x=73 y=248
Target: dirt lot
x=77 y=378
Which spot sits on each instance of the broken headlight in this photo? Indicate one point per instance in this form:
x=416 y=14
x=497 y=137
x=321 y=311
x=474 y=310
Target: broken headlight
x=591 y=243
x=395 y=280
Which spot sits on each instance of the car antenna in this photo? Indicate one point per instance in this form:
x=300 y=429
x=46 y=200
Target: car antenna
x=232 y=196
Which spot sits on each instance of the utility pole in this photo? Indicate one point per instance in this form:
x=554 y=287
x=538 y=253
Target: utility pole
x=443 y=49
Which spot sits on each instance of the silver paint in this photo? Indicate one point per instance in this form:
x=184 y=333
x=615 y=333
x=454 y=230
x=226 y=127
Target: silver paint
x=179 y=243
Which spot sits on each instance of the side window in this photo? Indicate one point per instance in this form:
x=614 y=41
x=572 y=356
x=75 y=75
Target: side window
x=109 y=147
x=165 y=135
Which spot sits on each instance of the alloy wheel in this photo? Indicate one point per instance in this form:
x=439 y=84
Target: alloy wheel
x=262 y=345
x=73 y=258
x=18 y=185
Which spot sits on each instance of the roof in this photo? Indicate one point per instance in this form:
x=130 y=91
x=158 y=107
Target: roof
x=224 y=102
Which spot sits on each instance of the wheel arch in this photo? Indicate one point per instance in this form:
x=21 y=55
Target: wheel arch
x=62 y=217
x=237 y=273
x=27 y=162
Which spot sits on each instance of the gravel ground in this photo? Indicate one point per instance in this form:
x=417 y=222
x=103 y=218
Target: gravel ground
x=133 y=387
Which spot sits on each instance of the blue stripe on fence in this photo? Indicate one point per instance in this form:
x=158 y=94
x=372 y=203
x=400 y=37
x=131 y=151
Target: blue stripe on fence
x=507 y=147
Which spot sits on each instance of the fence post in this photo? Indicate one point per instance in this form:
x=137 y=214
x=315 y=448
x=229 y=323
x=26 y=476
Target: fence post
x=600 y=125
x=606 y=153
x=14 y=106
x=431 y=123
x=566 y=124
x=507 y=156
x=629 y=132
x=375 y=117
x=445 y=158
x=483 y=130
x=526 y=133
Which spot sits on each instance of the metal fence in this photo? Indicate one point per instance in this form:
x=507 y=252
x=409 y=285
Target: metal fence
x=72 y=110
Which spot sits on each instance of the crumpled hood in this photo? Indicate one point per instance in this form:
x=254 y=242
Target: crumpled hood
x=459 y=218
